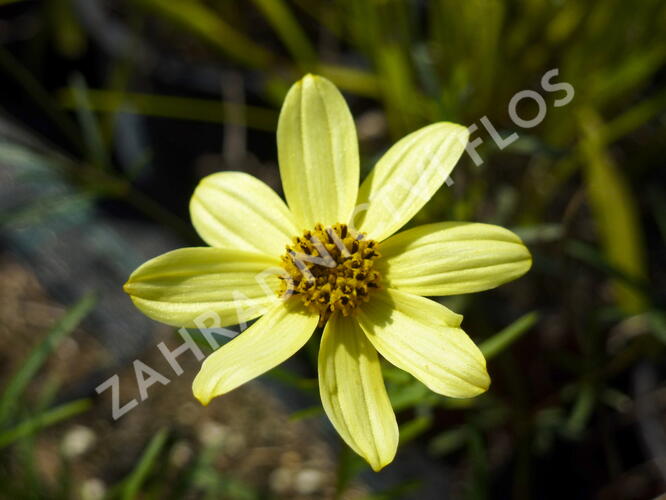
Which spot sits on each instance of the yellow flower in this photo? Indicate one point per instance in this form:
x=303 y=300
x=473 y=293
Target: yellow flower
x=339 y=265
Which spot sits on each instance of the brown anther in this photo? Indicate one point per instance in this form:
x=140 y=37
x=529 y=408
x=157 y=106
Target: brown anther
x=337 y=280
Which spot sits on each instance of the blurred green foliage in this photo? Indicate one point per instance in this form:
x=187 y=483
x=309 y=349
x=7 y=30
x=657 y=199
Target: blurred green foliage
x=574 y=187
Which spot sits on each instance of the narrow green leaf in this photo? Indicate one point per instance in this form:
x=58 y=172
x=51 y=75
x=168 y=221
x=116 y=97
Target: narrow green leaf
x=540 y=233
x=204 y=22
x=13 y=68
x=448 y=441
x=615 y=212
x=146 y=463
x=46 y=208
x=285 y=24
x=477 y=487
x=62 y=328
x=43 y=420
x=349 y=466
x=582 y=409
x=351 y=79
x=88 y=122
x=401 y=99
x=414 y=428
x=592 y=256
x=184 y=108
x=407 y=395
x=70 y=38
x=629 y=74
x=657 y=322
x=635 y=117
x=507 y=336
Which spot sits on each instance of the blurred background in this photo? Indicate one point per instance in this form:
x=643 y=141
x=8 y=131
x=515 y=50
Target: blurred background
x=110 y=113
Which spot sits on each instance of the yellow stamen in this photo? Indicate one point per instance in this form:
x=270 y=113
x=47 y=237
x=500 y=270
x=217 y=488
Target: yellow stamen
x=330 y=269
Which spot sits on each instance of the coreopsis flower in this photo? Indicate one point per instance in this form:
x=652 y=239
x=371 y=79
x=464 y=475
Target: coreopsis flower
x=329 y=258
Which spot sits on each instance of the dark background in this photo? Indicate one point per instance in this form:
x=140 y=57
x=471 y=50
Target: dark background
x=111 y=112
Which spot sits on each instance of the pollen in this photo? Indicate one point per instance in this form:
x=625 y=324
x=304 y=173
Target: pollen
x=330 y=269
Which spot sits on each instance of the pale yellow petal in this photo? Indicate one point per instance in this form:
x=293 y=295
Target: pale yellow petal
x=406 y=177
x=418 y=341
x=237 y=211
x=318 y=153
x=179 y=286
x=276 y=336
x=450 y=258
x=353 y=392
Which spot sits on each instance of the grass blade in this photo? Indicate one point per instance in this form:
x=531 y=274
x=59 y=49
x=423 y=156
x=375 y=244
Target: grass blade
x=504 y=338
x=183 y=108
x=89 y=126
x=204 y=22
x=138 y=476
x=287 y=27
x=43 y=420
x=62 y=328
x=615 y=211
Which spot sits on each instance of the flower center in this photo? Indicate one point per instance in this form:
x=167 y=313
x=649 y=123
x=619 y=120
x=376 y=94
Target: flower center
x=330 y=269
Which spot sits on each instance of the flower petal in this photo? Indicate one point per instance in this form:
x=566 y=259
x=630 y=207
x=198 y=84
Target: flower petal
x=318 y=153
x=407 y=176
x=179 y=286
x=453 y=257
x=237 y=211
x=276 y=336
x=411 y=332
x=353 y=393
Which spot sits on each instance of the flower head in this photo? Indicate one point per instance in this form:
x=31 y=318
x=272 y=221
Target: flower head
x=331 y=270
x=330 y=258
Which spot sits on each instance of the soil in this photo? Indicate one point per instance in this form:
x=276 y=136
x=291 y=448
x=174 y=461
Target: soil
x=247 y=435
